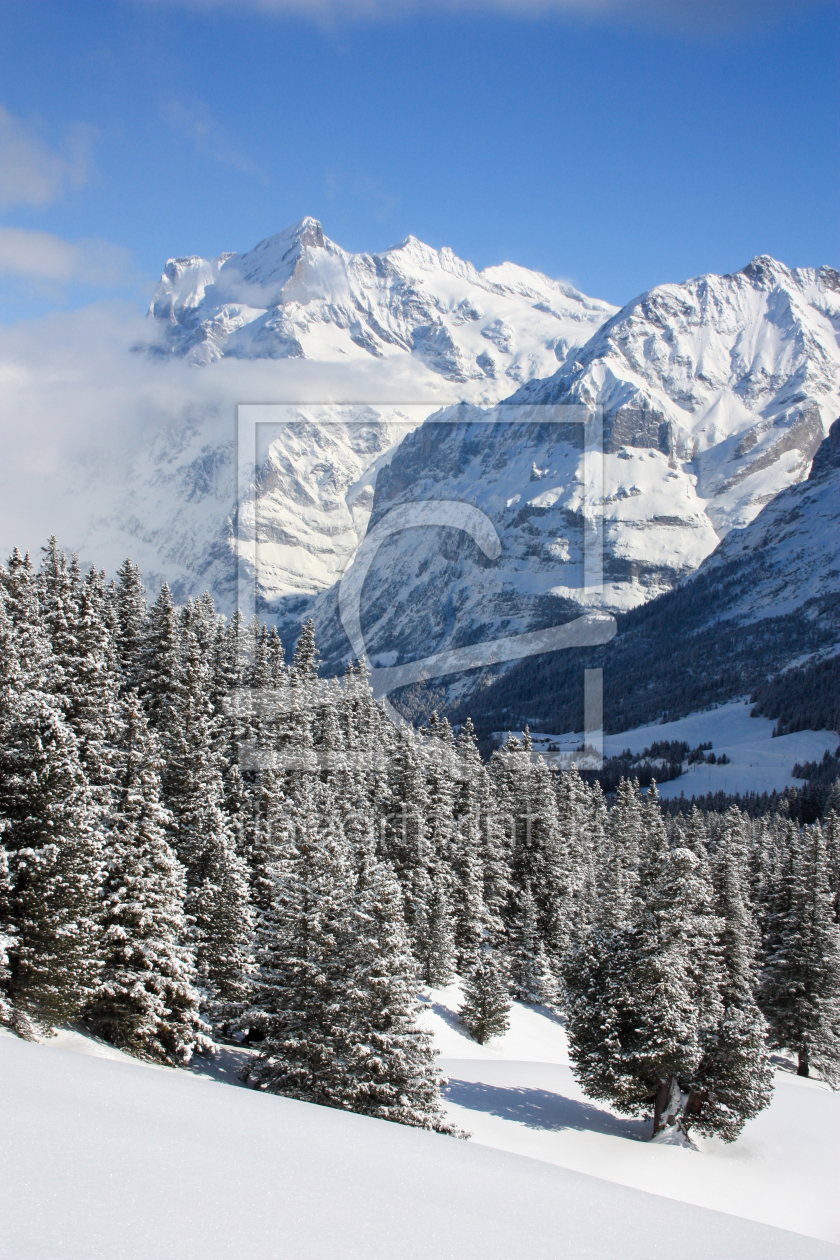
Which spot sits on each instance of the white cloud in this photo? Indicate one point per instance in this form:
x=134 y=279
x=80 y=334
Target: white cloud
x=40 y=256
x=697 y=15
x=192 y=119
x=95 y=437
x=32 y=173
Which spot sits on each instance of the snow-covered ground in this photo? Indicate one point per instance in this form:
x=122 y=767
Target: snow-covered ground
x=757 y=762
x=518 y=1094
x=104 y=1159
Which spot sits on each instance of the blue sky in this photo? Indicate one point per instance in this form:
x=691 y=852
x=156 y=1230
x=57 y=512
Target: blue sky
x=618 y=150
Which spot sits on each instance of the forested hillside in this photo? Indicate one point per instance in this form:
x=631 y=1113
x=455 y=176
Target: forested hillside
x=201 y=841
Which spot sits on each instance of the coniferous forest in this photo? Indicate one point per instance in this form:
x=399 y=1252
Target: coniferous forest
x=201 y=841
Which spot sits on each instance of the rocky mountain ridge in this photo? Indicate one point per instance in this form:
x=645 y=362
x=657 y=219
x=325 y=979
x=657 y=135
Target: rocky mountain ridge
x=713 y=394
x=299 y=295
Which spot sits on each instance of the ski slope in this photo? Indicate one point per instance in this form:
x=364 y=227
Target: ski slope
x=107 y=1158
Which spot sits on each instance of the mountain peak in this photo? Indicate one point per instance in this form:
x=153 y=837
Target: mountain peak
x=297 y=294
x=307 y=231
x=763 y=269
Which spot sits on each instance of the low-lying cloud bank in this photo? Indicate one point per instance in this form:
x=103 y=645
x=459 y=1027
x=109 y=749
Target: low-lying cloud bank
x=99 y=440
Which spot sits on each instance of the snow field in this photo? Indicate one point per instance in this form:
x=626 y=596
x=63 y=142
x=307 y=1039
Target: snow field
x=105 y=1160
x=757 y=761
x=518 y=1094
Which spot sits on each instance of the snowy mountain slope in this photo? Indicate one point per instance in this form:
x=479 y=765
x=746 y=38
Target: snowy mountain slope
x=104 y=1158
x=766 y=599
x=299 y=295
x=546 y=497
x=715 y=395
x=518 y=1093
x=737 y=375
x=790 y=554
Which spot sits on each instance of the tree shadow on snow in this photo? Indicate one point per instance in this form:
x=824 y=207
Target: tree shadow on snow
x=540 y=1109
x=448 y=1017
x=223 y=1066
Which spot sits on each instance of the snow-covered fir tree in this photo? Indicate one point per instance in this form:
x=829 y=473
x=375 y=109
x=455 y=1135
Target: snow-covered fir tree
x=146 y=1000
x=303 y=1004
x=734 y=1080
x=49 y=904
x=437 y=938
x=391 y=1063
x=132 y=623
x=485 y=1012
x=217 y=882
x=531 y=973
x=800 y=989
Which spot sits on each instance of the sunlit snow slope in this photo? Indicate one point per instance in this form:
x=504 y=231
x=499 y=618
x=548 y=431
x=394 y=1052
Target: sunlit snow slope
x=518 y=1093
x=105 y=1159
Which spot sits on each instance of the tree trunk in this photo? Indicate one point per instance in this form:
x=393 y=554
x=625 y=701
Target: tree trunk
x=802 y=1068
x=660 y=1101
x=694 y=1102
x=667 y=1105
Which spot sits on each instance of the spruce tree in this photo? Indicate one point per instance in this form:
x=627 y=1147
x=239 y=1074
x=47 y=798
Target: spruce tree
x=90 y=687
x=146 y=1000
x=131 y=627
x=391 y=1069
x=160 y=673
x=531 y=973
x=54 y=859
x=641 y=997
x=305 y=660
x=800 y=990
x=217 y=883
x=438 y=937
x=485 y=1012
x=735 y=1078
x=620 y=865
x=301 y=1005
x=48 y=825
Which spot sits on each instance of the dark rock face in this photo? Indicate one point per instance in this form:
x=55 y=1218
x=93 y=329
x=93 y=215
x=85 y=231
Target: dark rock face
x=638 y=424
x=827 y=458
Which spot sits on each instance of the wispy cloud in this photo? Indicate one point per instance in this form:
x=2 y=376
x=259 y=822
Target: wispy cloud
x=688 y=14
x=380 y=201
x=47 y=259
x=31 y=172
x=191 y=118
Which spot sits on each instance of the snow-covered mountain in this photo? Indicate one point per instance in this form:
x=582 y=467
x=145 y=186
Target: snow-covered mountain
x=299 y=295
x=715 y=395
x=414 y=323
x=768 y=598
x=736 y=378
x=789 y=556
